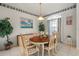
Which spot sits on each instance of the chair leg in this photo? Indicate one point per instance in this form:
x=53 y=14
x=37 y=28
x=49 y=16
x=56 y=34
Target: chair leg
x=55 y=50
x=49 y=52
x=38 y=53
x=37 y=49
x=52 y=51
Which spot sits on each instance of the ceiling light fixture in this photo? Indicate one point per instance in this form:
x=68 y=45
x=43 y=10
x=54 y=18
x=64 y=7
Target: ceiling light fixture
x=40 y=17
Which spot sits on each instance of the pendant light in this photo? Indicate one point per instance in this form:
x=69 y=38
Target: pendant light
x=40 y=17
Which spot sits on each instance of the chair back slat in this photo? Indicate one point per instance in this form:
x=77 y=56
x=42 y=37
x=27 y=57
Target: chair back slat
x=53 y=40
x=21 y=45
x=20 y=41
x=25 y=40
x=56 y=34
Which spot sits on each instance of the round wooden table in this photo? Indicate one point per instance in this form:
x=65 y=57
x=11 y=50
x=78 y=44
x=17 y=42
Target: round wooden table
x=37 y=40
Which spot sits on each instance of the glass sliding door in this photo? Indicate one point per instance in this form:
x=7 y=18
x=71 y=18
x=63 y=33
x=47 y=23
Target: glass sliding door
x=54 y=26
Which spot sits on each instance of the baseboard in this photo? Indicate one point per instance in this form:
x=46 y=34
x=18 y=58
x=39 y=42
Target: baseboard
x=68 y=44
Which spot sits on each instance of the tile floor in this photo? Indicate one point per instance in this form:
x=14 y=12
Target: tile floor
x=62 y=50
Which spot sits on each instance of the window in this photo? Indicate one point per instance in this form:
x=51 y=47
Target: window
x=53 y=24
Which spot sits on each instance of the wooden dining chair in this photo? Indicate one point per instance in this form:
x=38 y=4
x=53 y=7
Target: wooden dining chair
x=20 y=43
x=52 y=45
x=56 y=34
x=26 y=48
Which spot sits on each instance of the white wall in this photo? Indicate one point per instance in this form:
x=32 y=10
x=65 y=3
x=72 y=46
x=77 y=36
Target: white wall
x=77 y=25
x=67 y=29
x=15 y=21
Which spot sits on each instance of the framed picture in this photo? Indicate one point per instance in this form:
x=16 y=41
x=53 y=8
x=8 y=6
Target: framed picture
x=26 y=23
x=69 y=20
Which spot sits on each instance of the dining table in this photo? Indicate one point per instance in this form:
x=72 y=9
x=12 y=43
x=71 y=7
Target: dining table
x=40 y=41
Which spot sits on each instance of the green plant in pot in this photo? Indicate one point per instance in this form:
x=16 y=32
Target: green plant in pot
x=41 y=28
x=5 y=30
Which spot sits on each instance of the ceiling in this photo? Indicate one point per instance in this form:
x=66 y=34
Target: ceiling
x=47 y=8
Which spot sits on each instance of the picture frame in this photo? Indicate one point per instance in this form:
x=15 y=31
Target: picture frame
x=69 y=20
x=26 y=23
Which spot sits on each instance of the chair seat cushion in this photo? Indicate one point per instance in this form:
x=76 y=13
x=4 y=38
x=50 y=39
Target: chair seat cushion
x=32 y=51
x=48 y=48
x=30 y=46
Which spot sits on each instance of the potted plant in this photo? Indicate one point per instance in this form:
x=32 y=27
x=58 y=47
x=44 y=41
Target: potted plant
x=41 y=28
x=5 y=30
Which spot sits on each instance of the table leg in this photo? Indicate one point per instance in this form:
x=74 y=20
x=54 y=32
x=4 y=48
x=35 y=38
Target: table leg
x=42 y=49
